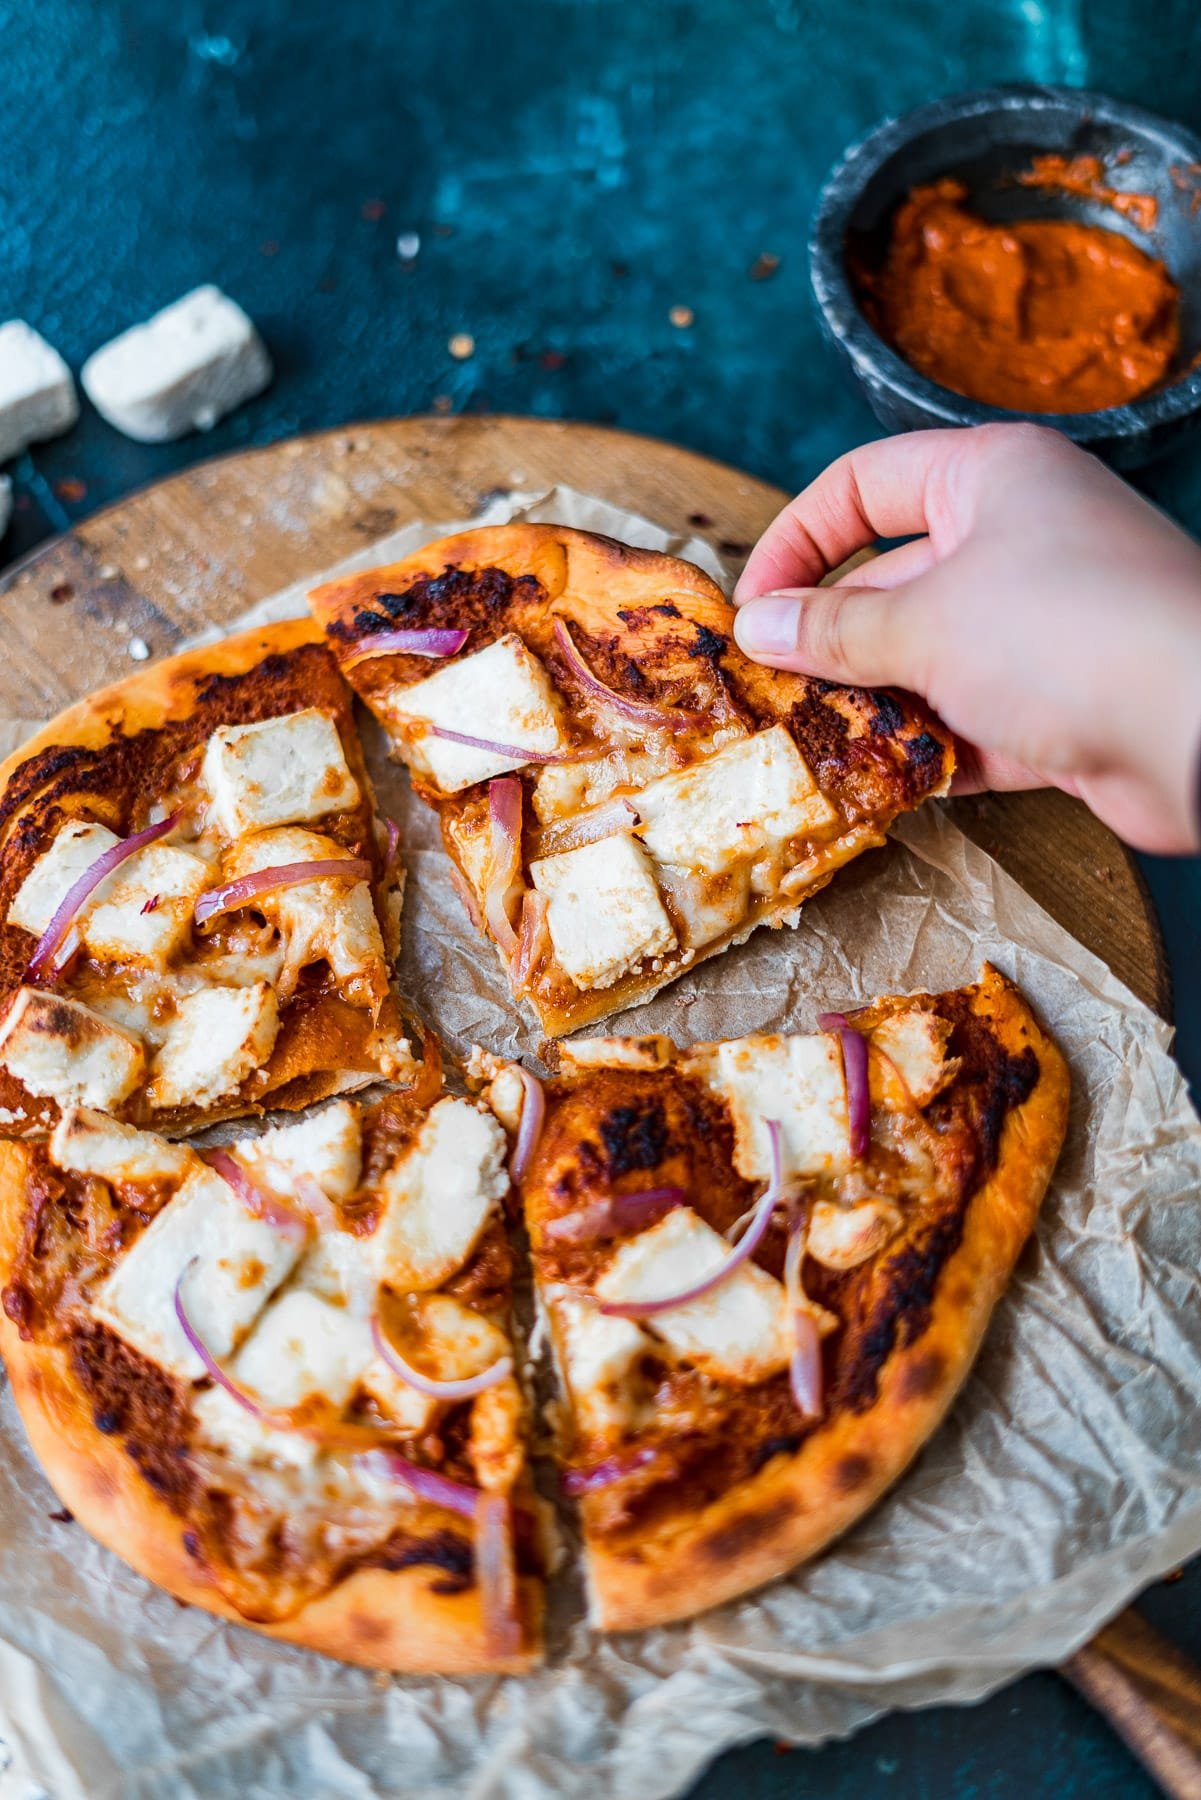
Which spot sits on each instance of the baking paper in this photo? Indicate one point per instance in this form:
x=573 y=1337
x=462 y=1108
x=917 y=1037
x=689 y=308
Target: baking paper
x=1067 y=1476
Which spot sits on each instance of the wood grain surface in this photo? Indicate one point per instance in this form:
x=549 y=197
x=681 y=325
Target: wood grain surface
x=202 y=546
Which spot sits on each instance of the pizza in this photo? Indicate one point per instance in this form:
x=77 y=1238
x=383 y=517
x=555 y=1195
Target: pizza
x=278 y=1378
x=199 y=909
x=766 y=1266
x=622 y=792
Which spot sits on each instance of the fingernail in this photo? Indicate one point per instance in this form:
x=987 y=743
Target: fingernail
x=768 y=626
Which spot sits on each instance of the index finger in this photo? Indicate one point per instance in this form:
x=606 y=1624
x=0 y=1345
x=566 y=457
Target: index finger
x=891 y=488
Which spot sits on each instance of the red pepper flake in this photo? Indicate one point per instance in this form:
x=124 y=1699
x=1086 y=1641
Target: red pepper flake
x=71 y=489
x=152 y=904
x=552 y=359
x=61 y=591
x=64 y=1516
x=269 y=247
x=681 y=317
x=764 y=266
x=700 y=520
x=443 y=403
x=373 y=209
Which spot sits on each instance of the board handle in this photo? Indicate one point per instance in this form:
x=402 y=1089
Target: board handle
x=1150 y=1693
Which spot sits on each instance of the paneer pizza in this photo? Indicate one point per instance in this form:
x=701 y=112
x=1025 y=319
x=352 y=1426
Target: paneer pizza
x=623 y=792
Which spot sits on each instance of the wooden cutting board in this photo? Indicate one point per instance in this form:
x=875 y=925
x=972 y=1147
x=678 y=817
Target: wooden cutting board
x=201 y=547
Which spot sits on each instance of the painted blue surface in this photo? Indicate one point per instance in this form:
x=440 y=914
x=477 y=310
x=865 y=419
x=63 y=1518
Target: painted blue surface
x=574 y=169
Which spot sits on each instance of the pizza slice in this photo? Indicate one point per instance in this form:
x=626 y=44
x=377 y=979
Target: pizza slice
x=766 y=1266
x=623 y=793
x=278 y=1379
x=199 y=910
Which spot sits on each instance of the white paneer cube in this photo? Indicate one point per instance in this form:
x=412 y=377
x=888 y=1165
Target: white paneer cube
x=37 y=393
x=752 y=795
x=62 y=1050
x=325 y=1147
x=231 y=1263
x=6 y=502
x=440 y=1196
x=143 y=912
x=451 y=1343
x=801 y=1082
x=599 y=1354
x=180 y=371
x=739 y=1331
x=71 y=854
x=502 y=693
x=217 y=1038
x=604 y=913
x=227 y=1426
x=277 y=772
x=915 y=1043
x=330 y=919
x=90 y=1143
x=304 y=1347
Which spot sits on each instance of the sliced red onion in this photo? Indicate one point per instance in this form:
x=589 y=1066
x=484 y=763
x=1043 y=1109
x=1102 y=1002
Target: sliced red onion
x=831 y=1021
x=466 y=893
x=264 y=1205
x=85 y=885
x=859 y=1095
x=618 y=1214
x=316 y=1202
x=805 y=1364
x=279 y=1421
x=245 y=888
x=392 y=850
x=746 y=1246
x=517 y=753
x=504 y=812
x=466 y=1389
x=151 y=905
x=642 y=712
x=529 y=1129
x=606 y=820
x=432 y=642
x=496 y=1573
x=603 y=1474
x=427 y=1484
x=533 y=938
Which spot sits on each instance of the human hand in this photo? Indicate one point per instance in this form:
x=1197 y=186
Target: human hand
x=1049 y=614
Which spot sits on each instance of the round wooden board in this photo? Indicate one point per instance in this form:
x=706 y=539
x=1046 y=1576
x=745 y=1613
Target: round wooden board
x=202 y=546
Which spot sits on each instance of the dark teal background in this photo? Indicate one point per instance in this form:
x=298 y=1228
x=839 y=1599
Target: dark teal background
x=575 y=168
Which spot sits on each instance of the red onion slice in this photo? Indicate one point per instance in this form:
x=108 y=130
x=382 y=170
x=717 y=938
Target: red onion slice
x=608 y=819
x=496 y=1573
x=316 y=1202
x=85 y=885
x=504 y=812
x=392 y=849
x=603 y=1474
x=533 y=939
x=529 y=1129
x=466 y=1389
x=618 y=1214
x=466 y=893
x=855 y=1072
x=517 y=753
x=831 y=1021
x=641 y=712
x=427 y=1484
x=432 y=642
x=805 y=1364
x=258 y=1200
x=746 y=1246
x=212 y=1367
x=245 y=888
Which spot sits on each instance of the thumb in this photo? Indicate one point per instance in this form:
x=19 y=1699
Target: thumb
x=863 y=637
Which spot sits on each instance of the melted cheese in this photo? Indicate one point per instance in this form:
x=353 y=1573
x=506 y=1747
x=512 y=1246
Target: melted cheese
x=75 y=848
x=143 y=913
x=598 y=1355
x=440 y=1196
x=800 y=1082
x=217 y=1038
x=739 y=1331
x=502 y=693
x=63 y=1050
x=752 y=796
x=604 y=913
x=326 y=1147
x=277 y=772
x=329 y=920
x=90 y=1143
x=234 y=1263
x=842 y=1237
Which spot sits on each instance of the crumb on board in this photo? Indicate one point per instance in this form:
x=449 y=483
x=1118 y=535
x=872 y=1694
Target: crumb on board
x=681 y=317
x=138 y=649
x=408 y=246
x=461 y=346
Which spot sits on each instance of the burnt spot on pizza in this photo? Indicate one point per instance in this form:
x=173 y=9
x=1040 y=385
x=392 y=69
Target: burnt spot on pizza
x=747 y=1531
x=445 y=1551
x=889 y=715
x=708 y=643
x=478 y=600
x=367 y=1631
x=132 y=1398
x=922 y=1375
x=851 y=1471
x=634 y=616
x=634 y=1137
x=925 y=756
x=785 y=1444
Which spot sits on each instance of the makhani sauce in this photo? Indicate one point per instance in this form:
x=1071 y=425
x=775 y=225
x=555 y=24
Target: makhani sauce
x=1037 y=315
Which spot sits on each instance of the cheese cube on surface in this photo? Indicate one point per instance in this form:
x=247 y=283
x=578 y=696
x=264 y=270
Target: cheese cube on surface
x=915 y=1043
x=799 y=1081
x=303 y=1346
x=604 y=913
x=599 y=1355
x=74 y=849
x=755 y=793
x=502 y=693
x=62 y=1049
x=239 y=1261
x=277 y=772
x=90 y=1143
x=37 y=393
x=180 y=371
x=325 y=1147
x=329 y=919
x=217 y=1038
x=440 y=1196
x=739 y=1331
x=119 y=928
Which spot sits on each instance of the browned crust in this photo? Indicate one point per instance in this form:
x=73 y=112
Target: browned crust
x=875 y=755
x=382 y=1619
x=798 y=1505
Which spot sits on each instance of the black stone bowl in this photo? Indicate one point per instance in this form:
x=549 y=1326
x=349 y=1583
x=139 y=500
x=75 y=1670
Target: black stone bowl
x=984 y=140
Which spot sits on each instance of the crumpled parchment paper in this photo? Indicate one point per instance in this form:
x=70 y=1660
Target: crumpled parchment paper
x=1067 y=1476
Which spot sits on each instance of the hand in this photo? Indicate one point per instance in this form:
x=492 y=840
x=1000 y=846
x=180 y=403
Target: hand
x=1048 y=613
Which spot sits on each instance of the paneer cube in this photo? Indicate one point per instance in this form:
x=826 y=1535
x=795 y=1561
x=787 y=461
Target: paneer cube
x=37 y=392
x=90 y=1143
x=330 y=919
x=599 y=1356
x=841 y=1237
x=143 y=912
x=801 y=1082
x=231 y=1263
x=75 y=848
x=915 y=1043
x=739 y=1331
x=501 y=693
x=440 y=1196
x=303 y=1347
x=277 y=772
x=217 y=1038
x=753 y=795
x=60 y=1049
x=325 y=1147
x=604 y=912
